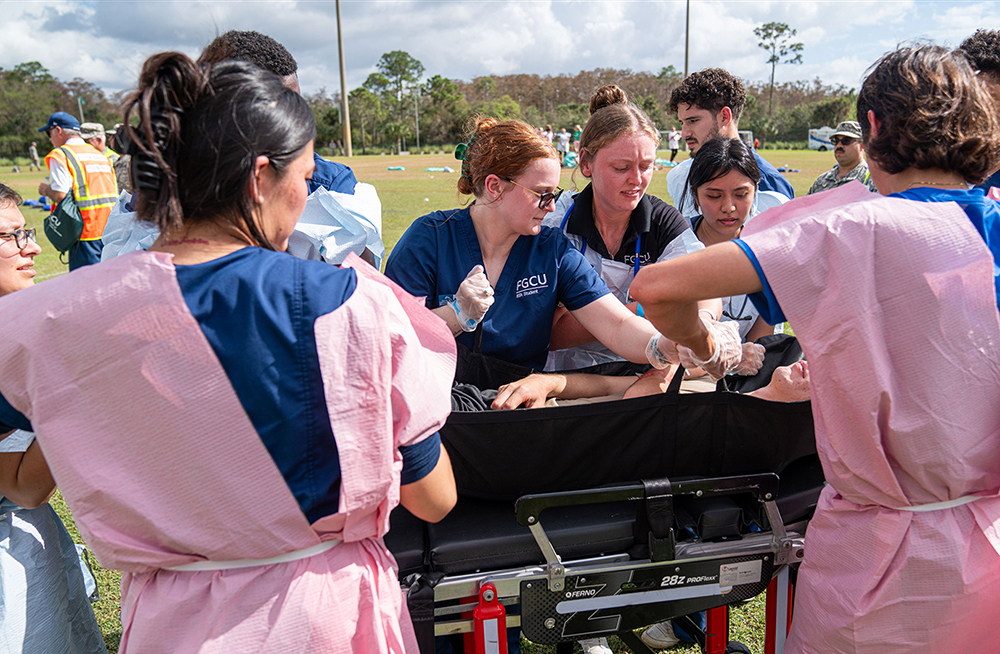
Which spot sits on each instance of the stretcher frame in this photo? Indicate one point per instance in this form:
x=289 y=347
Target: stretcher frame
x=565 y=601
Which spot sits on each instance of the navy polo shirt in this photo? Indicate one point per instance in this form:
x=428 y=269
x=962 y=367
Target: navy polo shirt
x=438 y=250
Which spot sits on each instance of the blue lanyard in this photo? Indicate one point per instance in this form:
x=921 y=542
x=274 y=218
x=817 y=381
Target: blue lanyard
x=583 y=248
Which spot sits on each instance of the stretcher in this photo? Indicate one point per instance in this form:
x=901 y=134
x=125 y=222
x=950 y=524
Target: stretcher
x=586 y=521
x=583 y=564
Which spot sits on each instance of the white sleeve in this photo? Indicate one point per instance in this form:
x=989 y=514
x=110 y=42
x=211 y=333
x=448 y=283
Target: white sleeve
x=18 y=441
x=676 y=181
x=61 y=180
x=686 y=243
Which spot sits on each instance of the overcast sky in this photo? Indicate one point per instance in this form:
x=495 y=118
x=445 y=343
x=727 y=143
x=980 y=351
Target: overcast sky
x=106 y=42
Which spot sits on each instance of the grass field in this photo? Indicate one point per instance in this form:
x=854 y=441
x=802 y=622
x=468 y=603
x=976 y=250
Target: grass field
x=406 y=195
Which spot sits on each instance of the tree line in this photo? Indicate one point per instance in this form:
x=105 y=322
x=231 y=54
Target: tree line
x=29 y=94
x=398 y=107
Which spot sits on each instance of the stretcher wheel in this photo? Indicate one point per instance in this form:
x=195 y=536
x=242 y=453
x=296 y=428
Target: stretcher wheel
x=736 y=647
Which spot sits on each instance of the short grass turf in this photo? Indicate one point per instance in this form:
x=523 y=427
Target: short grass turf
x=407 y=195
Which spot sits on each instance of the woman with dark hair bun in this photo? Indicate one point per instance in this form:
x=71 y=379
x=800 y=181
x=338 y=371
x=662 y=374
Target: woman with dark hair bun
x=613 y=222
x=231 y=425
x=493 y=265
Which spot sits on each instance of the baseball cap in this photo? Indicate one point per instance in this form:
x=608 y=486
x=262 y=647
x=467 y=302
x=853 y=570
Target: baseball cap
x=61 y=119
x=849 y=128
x=90 y=130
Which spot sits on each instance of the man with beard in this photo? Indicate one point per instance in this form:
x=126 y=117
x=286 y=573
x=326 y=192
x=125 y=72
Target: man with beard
x=708 y=104
x=850 y=162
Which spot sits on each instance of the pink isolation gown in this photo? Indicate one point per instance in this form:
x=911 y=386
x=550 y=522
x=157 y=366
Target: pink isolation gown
x=162 y=467
x=893 y=303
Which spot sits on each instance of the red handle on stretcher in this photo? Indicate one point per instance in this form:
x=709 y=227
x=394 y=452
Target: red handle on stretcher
x=490 y=622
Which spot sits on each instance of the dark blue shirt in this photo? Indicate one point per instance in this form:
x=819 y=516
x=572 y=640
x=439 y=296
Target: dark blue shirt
x=332 y=176
x=257 y=309
x=437 y=252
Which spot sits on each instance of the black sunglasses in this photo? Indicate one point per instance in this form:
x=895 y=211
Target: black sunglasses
x=543 y=198
x=846 y=140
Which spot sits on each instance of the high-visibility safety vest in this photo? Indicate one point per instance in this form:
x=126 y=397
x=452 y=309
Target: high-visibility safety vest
x=94 y=185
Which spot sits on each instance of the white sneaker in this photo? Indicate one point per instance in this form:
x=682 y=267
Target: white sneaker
x=660 y=636
x=596 y=646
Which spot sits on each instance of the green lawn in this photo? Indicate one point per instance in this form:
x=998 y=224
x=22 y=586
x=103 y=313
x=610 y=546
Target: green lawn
x=406 y=195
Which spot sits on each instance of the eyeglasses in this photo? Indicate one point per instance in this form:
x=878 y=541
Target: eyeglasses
x=543 y=198
x=20 y=236
x=846 y=140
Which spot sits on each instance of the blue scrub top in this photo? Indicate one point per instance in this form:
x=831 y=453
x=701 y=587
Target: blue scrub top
x=437 y=252
x=983 y=212
x=266 y=304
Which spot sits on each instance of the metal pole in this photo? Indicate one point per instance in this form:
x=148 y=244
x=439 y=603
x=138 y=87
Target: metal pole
x=79 y=103
x=345 y=123
x=416 y=113
x=687 y=36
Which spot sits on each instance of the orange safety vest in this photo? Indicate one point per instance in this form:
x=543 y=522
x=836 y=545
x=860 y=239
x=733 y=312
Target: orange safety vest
x=95 y=187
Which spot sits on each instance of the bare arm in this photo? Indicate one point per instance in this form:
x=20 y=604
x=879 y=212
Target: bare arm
x=447 y=314
x=432 y=497
x=533 y=390
x=670 y=291
x=25 y=478
x=45 y=189
x=568 y=332
x=620 y=330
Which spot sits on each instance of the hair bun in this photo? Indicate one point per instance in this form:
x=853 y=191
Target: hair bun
x=606 y=96
x=484 y=124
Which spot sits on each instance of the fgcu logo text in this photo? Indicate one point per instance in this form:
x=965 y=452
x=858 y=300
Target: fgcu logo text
x=531 y=285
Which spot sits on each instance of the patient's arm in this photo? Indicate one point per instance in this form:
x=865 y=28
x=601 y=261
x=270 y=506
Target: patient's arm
x=25 y=478
x=534 y=389
x=653 y=382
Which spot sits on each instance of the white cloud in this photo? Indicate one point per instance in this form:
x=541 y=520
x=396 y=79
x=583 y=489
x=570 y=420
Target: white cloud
x=106 y=42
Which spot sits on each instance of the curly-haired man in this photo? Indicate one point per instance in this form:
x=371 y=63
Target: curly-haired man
x=708 y=104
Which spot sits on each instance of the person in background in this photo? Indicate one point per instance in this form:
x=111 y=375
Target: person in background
x=33 y=157
x=137 y=379
x=94 y=134
x=87 y=174
x=577 y=131
x=674 y=141
x=265 y=52
x=982 y=49
x=709 y=104
x=126 y=234
x=547 y=134
x=562 y=145
x=45 y=604
x=902 y=554
x=848 y=152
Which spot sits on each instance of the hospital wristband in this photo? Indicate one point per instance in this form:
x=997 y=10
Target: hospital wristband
x=654 y=355
x=466 y=323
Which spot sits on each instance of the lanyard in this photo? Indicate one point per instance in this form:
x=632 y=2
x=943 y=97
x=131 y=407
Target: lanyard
x=583 y=248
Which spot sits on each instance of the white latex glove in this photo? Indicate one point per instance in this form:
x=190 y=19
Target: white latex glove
x=661 y=351
x=753 y=359
x=473 y=299
x=725 y=356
